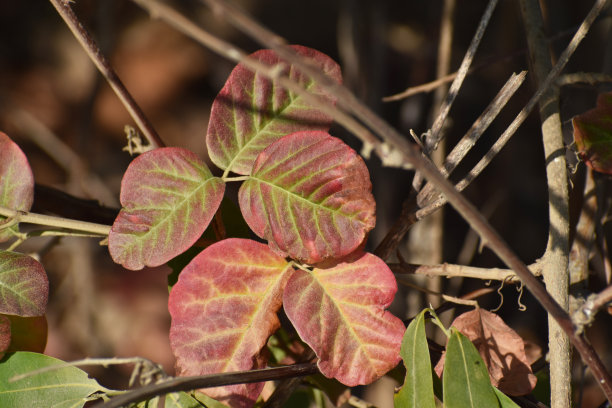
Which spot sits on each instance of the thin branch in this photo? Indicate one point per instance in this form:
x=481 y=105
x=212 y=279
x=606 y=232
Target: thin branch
x=453 y=271
x=436 y=130
x=590 y=308
x=585 y=234
x=50 y=221
x=208 y=381
x=100 y=61
x=591 y=78
x=481 y=124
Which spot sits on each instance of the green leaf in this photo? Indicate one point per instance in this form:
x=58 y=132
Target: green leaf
x=175 y=400
x=504 y=400
x=466 y=380
x=418 y=386
x=61 y=388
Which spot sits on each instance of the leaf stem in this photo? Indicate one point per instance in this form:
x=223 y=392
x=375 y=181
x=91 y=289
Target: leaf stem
x=235 y=178
x=58 y=222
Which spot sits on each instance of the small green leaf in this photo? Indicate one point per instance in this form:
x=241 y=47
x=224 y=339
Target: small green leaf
x=504 y=400
x=466 y=380
x=418 y=386
x=64 y=387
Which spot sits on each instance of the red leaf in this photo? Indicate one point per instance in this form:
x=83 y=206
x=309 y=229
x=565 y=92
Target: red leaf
x=223 y=310
x=339 y=311
x=310 y=196
x=252 y=111
x=169 y=197
x=24 y=287
x=593 y=135
x=16 y=181
x=501 y=348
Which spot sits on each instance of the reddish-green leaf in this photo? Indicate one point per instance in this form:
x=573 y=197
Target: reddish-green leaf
x=169 y=197
x=310 y=197
x=252 y=111
x=223 y=310
x=24 y=287
x=16 y=181
x=339 y=310
x=593 y=135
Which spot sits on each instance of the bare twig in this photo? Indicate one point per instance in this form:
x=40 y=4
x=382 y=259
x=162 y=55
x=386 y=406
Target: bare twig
x=481 y=124
x=436 y=130
x=591 y=78
x=100 y=61
x=585 y=234
x=208 y=381
x=49 y=221
x=452 y=271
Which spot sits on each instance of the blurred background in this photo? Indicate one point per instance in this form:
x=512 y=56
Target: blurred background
x=70 y=124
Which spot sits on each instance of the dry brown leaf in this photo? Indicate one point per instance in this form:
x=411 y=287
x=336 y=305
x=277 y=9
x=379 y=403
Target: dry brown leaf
x=501 y=348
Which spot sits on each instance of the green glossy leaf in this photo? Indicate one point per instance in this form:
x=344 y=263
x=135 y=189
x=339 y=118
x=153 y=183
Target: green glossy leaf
x=169 y=197
x=465 y=380
x=504 y=400
x=417 y=390
x=593 y=135
x=252 y=111
x=24 y=287
x=61 y=388
x=16 y=181
x=310 y=196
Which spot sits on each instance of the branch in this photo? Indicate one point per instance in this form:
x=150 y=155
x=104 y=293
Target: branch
x=453 y=271
x=208 y=381
x=100 y=61
x=50 y=221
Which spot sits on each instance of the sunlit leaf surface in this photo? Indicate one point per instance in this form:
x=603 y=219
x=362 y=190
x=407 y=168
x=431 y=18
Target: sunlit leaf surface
x=339 y=310
x=252 y=111
x=16 y=181
x=310 y=197
x=417 y=391
x=24 y=287
x=66 y=387
x=169 y=197
x=223 y=310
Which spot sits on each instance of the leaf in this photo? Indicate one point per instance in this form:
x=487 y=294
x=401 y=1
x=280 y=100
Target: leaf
x=234 y=226
x=169 y=197
x=24 y=287
x=501 y=348
x=417 y=390
x=310 y=196
x=339 y=311
x=466 y=382
x=27 y=333
x=173 y=400
x=64 y=387
x=252 y=111
x=16 y=181
x=593 y=135
x=223 y=310
x=504 y=400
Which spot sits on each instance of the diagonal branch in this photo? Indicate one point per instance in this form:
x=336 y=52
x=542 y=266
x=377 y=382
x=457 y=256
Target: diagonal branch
x=100 y=61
